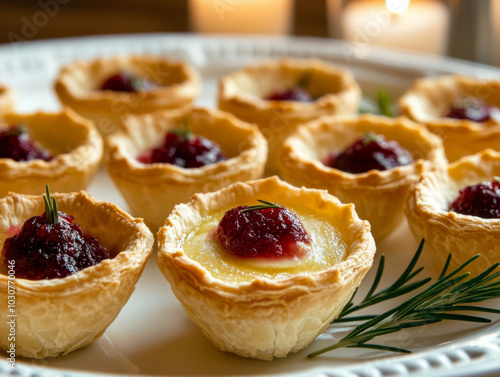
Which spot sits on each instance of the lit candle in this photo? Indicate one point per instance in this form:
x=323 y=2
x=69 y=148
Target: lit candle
x=419 y=25
x=241 y=16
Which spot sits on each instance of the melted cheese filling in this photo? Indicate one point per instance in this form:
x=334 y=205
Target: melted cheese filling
x=327 y=249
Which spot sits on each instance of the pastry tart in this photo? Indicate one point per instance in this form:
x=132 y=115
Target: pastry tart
x=378 y=194
x=430 y=100
x=264 y=309
x=333 y=92
x=152 y=190
x=448 y=232
x=6 y=100
x=78 y=85
x=74 y=144
x=57 y=316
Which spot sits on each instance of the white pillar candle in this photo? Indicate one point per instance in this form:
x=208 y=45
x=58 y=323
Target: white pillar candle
x=422 y=27
x=241 y=16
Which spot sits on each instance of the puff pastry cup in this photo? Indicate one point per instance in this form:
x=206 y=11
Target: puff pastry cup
x=6 y=100
x=430 y=98
x=71 y=139
x=152 y=190
x=379 y=196
x=255 y=311
x=57 y=316
x=446 y=232
x=241 y=93
x=77 y=87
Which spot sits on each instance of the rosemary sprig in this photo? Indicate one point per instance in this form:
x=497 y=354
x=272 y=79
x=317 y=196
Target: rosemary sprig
x=16 y=130
x=369 y=138
x=451 y=292
x=384 y=102
x=185 y=132
x=304 y=80
x=51 y=211
x=400 y=287
x=264 y=205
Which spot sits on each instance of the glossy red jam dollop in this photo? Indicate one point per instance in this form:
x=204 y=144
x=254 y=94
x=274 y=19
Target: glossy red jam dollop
x=126 y=82
x=481 y=200
x=185 y=151
x=47 y=251
x=269 y=232
x=474 y=109
x=297 y=94
x=369 y=153
x=16 y=144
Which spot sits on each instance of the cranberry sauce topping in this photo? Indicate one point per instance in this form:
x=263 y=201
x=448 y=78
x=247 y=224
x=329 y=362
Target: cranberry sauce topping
x=295 y=94
x=298 y=93
x=482 y=200
x=16 y=144
x=52 y=246
x=369 y=152
x=474 y=109
x=262 y=231
x=184 y=150
x=126 y=82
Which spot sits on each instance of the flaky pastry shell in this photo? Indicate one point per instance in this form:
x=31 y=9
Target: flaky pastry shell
x=446 y=232
x=242 y=94
x=429 y=99
x=152 y=190
x=71 y=139
x=264 y=318
x=57 y=316
x=77 y=87
x=6 y=100
x=378 y=195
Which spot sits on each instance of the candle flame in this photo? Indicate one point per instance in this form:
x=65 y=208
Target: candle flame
x=398 y=7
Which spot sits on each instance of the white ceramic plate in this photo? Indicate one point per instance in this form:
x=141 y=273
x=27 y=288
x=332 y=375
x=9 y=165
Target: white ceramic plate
x=152 y=335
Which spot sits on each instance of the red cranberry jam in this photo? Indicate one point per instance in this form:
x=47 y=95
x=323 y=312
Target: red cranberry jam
x=371 y=152
x=481 y=200
x=185 y=150
x=126 y=82
x=16 y=144
x=298 y=93
x=295 y=94
x=263 y=231
x=474 y=109
x=52 y=246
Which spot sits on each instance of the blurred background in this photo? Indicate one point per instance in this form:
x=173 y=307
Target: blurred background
x=466 y=29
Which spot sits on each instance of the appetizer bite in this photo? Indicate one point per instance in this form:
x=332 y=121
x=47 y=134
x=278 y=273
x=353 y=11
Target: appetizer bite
x=263 y=267
x=463 y=111
x=162 y=159
x=458 y=212
x=59 y=149
x=369 y=160
x=106 y=90
x=279 y=95
x=65 y=273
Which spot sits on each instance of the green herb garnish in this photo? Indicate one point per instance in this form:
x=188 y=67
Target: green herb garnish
x=51 y=211
x=369 y=138
x=435 y=303
x=16 y=130
x=264 y=205
x=384 y=102
x=304 y=80
x=496 y=179
x=185 y=132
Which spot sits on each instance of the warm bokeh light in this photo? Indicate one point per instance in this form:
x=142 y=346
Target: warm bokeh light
x=398 y=7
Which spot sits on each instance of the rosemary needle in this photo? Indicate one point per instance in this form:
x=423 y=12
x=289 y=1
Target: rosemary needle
x=451 y=292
